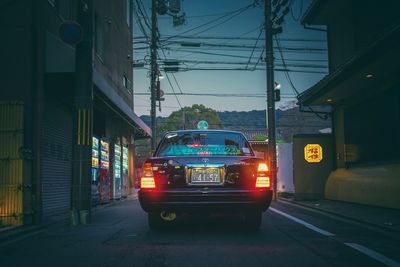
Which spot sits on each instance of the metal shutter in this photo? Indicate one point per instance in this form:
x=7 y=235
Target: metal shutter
x=56 y=161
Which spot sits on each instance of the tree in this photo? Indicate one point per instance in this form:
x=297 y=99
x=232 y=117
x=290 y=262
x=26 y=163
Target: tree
x=188 y=117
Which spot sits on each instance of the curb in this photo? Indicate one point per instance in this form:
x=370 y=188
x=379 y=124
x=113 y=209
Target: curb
x=374 y=225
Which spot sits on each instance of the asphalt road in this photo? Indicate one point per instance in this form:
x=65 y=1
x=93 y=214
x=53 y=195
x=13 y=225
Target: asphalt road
x=289 y=236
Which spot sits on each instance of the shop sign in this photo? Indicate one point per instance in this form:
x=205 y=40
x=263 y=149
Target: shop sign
x=313 y=153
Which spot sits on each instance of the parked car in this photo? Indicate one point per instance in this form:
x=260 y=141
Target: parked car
x=210 y=171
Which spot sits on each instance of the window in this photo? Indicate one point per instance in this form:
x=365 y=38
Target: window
x=204 y=144
x=99 y=37
x=127 y=84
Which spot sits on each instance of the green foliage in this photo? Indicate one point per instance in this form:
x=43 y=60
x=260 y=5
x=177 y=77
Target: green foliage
x=260 y=138
x=191 y=115
x=188 y=117
x=280 y=141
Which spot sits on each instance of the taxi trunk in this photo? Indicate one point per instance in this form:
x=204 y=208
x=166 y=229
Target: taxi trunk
x=215 y=172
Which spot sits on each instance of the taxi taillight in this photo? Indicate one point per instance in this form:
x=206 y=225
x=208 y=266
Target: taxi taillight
x=147 y=179
x=263 y=179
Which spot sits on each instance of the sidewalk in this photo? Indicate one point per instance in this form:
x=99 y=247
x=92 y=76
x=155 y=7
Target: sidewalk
x=11 y=233
x=384 y=218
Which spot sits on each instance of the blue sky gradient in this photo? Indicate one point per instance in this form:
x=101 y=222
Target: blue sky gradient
x=244 y=24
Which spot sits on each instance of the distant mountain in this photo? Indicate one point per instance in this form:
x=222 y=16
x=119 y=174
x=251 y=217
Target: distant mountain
x=254 y=119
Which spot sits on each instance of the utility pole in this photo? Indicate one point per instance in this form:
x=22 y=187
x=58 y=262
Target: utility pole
x=269 y=52
x=153 y=73
x=83 y=117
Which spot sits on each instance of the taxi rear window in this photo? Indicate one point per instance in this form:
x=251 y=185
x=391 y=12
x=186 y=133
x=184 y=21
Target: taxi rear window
x=204 y=144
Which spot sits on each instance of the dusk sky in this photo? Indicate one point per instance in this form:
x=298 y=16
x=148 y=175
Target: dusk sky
x=229 y=34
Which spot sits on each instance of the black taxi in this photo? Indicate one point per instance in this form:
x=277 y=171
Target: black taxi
x=210 y=171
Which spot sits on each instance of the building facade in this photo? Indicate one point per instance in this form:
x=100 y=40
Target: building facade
x=363 y=89
x=65 y=106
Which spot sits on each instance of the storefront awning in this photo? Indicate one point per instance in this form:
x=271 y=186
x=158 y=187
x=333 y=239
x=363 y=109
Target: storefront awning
x=141 y=128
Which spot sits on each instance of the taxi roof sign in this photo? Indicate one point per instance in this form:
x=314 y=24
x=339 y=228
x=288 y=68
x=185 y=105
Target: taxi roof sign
x=202 y=125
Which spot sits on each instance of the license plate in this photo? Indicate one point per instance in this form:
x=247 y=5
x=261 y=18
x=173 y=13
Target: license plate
x=205 y=175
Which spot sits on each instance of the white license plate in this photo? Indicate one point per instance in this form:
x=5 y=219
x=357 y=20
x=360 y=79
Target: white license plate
x=205 y=175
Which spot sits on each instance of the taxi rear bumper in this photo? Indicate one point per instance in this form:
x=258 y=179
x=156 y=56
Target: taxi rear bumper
x=205 y=200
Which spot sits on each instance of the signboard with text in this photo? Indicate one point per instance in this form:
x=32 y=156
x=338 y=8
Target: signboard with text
x=313 y=153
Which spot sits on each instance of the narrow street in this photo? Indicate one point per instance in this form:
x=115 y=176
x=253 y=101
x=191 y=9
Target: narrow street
x=289 y=236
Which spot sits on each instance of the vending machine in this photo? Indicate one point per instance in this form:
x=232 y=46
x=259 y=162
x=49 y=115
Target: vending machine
x=95 y=171
x=104 y=171
x=125 y=172
x=117 y=182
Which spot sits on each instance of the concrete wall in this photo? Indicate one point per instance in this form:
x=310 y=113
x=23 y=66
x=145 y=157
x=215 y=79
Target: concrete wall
x=372 y=185
x=285 y=168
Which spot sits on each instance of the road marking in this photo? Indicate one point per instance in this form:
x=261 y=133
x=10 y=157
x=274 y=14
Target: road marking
x=366 y=251
x=373 y=254
x=306 y=224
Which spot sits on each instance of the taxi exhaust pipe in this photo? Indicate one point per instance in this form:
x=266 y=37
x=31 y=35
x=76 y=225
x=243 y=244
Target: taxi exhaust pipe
x=168 y=216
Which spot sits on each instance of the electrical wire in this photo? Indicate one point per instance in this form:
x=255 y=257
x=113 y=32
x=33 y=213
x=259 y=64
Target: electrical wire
x=212 y=21
x=197 y=62
x=287 y=75
x=173 y=90
x=146 y=18
x=254 y=48
x=176 y=81
x=169 y=81
x=300 y=11
x=259 y=60
x=258 y=69
x=240 y=37
x=139 y=22
x=142 y=10
x=221 y=95
x=223 y=22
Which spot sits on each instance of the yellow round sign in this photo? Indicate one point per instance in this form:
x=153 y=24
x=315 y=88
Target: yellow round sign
x=313 y=153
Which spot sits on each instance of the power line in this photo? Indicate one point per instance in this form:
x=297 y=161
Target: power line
x=287 y=75
x=286 y=49
x=212 y=21
x=219 y=95
x=142 y=10
x=215 y=62
x=138 y=20
x=239 y=38
x=254 y=48
x=176 y=81
x=243 y=69
x=300 y=11
x=228 y=19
